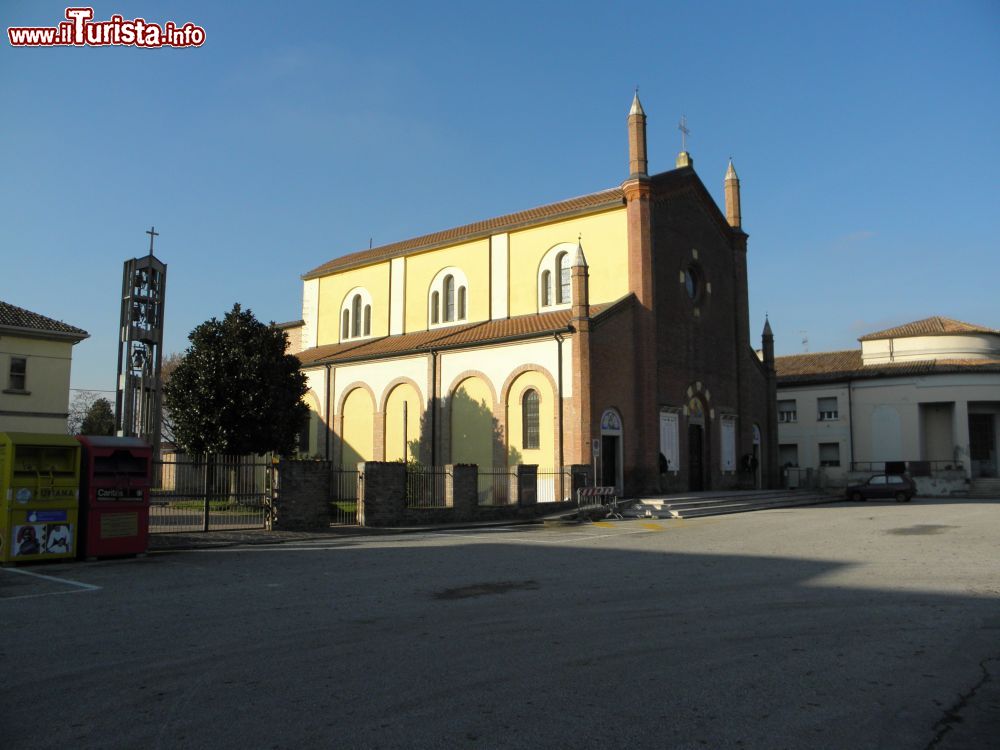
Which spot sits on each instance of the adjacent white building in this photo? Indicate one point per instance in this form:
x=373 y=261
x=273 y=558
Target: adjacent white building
x=926 y=393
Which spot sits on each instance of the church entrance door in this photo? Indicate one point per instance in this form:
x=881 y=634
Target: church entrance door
x=609 y=460
x=610 y=473
x=696 y=482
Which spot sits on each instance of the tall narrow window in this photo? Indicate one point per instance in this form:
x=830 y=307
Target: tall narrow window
x=449 y=298
x=529 y=420
x=345 y=328
x=368 y=320
x=461 y=303
x=546 y=288
x=435 y=306
x=562 y=261
x=356 y=315
x=18 y=374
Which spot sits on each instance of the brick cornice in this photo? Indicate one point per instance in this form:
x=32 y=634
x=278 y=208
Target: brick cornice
x=637 y=187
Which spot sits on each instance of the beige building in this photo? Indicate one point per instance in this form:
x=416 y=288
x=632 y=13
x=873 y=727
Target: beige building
x=926 y=393
x=35 y=357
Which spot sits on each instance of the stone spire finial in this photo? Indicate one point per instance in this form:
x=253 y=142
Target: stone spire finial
x=636 y=104
x=579 y=259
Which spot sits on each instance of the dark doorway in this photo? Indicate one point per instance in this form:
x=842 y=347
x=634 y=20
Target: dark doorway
x=696 y=480
x=609 y=460
x=982 y=445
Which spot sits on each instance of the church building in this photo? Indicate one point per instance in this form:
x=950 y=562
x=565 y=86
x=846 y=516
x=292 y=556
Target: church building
x=610 y=329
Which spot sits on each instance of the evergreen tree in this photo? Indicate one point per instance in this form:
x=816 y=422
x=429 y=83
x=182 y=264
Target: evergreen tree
x=236 y=391
x=100 y=419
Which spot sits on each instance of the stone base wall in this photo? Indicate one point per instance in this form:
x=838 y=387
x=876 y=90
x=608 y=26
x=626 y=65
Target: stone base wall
x=305 y=492
x=302 y=500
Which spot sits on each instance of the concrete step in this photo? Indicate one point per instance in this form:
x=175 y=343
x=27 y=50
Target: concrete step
x=984 y=488
x=714 y=504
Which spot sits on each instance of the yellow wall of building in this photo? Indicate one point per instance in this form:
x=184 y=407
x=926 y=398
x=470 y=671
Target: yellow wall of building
x=333 y=289
x=358 y=434
x=44 y=406
x=400 y=445
x=544 y=455
x=474 y=260
x=605 y=243
x=472 y=425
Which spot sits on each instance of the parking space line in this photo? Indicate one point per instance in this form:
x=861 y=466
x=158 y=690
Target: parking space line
x=78 y=587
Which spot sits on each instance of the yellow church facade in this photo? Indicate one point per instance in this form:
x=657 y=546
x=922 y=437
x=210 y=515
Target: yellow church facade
x=536 y=337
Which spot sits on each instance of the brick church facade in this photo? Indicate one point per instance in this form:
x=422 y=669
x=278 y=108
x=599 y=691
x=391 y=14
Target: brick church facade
x=616 y=323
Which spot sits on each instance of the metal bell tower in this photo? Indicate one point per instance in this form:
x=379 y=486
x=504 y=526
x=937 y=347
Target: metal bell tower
x=140 y=348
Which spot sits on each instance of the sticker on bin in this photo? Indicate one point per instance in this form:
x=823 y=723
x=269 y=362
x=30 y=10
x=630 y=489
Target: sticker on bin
x=37 y=516
x=118 y=493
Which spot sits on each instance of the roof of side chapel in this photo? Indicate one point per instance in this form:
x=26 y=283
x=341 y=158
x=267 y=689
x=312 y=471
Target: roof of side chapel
x=519 y=327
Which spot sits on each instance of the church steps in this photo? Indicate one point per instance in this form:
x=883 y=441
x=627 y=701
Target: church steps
x=985 y=488
x=713 y=504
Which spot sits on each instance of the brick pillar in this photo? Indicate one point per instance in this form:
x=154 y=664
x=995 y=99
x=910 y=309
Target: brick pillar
x=462 y=490
x=579 y=444
x=643 y=475
x=303 y=498
x=382 y=494
x=527 y=485
x=378 y=436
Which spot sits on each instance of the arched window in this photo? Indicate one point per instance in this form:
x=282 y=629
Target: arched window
x=529 y=419
x=449 y=298
x=546 y=288
x=356 y=315
x=562 y=262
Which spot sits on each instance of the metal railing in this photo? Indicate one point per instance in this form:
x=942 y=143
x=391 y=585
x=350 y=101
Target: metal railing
x=554 y=485
x=914 y=468
x=425 y=486
x=344 y=496
x=497 y=485
x=203 y=493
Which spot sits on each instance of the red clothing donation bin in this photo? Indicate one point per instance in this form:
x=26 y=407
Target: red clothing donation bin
x=114 y=496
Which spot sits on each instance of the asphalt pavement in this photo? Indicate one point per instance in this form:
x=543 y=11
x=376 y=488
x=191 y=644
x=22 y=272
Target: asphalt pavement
x=838 y=626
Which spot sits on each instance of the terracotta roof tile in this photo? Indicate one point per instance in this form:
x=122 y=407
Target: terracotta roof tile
x=12 y=316
x=582 y=204
x=847 y=365
x=934 y=326
x=490 y=331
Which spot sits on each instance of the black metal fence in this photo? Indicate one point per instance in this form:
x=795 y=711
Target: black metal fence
x=497 y=485
x=344 y=490
x=554 y=485
x=203 y=493
x=425 y=486
x=913 y=468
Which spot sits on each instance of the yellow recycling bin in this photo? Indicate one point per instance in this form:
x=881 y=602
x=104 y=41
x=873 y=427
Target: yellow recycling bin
x=39 y=496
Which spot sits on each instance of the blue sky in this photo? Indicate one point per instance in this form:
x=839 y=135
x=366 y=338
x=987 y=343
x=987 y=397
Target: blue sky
x=866 y=136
